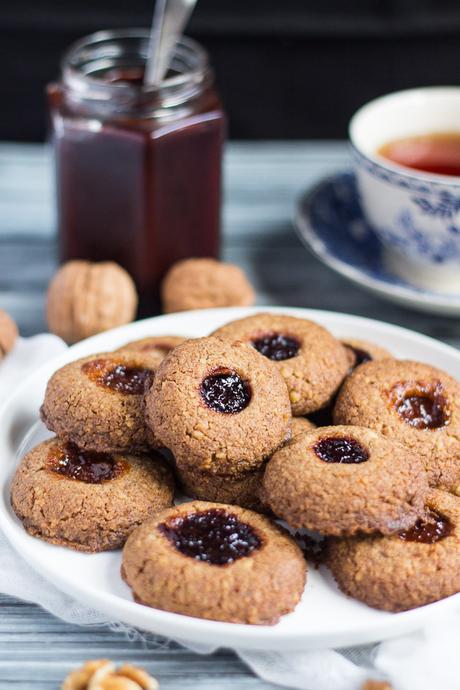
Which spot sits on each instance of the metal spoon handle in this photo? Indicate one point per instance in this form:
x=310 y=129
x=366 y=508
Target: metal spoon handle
x=169 y=20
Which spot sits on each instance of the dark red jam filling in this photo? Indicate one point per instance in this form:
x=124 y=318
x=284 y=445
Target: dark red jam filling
x=224 y=391
x=430 y=530
x=84 y=465
x=361 y=356
x=341 y=449
x=313 y=549
x=323 y=417
x=422 y=405
x=123 y=378
x=276 y=346
x=213 y=536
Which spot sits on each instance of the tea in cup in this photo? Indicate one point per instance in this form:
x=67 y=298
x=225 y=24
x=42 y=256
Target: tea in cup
x=406 y=151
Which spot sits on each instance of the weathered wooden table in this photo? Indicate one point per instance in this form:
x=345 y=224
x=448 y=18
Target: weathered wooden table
x=262 y=181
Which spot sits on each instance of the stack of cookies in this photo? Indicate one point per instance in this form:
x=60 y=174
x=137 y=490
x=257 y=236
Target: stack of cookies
x=268 y=417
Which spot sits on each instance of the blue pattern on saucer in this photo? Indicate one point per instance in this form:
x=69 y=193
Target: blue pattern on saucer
x=335 y=216
x=335 y=221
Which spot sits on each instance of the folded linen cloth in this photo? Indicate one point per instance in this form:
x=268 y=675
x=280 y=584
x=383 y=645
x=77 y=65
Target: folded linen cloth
x=419 y=661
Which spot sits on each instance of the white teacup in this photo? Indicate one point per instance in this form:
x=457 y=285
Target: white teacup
x=415 y=214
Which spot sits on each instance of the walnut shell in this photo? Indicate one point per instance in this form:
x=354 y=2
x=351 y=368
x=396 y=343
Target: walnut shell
x=101 y=674
x=8 y=333
x=86 y=298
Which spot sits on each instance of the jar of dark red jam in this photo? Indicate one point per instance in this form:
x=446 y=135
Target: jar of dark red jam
x=138 y=170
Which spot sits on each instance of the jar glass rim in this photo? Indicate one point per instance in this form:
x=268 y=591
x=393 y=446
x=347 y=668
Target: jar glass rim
x=90 y=49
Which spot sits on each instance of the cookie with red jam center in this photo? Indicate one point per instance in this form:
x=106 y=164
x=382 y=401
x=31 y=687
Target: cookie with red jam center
x=88 y=500
x=218 y=406
x=411 y=402
x=312 y=362
x=98 y=402
x=242 y=489
x=157 y=346
x=411 y=568
x=215 y=561
x=341 y=480
x=362 y=351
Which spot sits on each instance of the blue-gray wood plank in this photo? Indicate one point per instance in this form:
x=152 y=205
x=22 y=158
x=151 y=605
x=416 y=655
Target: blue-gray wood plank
x=262 y=181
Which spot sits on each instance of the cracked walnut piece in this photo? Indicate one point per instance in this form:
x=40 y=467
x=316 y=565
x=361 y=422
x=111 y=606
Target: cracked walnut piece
x=101 y=674
x=86 y=298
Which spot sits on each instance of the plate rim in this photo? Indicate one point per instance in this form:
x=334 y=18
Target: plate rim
x=182 y=627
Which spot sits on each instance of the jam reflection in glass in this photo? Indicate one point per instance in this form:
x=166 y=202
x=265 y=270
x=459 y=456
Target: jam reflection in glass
x=138 y=173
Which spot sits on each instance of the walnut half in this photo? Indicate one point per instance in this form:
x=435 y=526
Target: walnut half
x=101 y=674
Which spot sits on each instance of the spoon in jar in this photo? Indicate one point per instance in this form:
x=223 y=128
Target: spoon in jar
x=169 y=20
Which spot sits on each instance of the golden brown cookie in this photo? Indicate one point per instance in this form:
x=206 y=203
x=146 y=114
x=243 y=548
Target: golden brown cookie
x=98 y=402
x=85 y=500
x=156 y=346
x=300 y=425
x=312 y=362
x=344 y=480
x=240 y=489
x=410 y=402
x=218 y=406
x=361 y=351
x=409 y=569
x=215 y=561
x=205 y=283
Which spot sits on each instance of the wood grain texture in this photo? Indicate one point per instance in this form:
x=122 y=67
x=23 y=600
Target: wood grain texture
x=262 y=183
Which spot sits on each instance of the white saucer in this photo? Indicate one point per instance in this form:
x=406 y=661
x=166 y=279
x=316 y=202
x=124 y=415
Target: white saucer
x=330 y=222
x=324 y=618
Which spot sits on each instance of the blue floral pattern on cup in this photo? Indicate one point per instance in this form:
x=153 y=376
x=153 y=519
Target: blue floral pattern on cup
x=416 y=218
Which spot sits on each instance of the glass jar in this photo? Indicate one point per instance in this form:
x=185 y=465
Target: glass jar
x=138 y=170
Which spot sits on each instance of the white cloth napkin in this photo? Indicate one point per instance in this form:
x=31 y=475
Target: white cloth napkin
x=419 y=661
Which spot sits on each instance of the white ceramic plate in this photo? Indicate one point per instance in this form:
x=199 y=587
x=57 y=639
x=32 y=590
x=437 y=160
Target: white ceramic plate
x=325 y=617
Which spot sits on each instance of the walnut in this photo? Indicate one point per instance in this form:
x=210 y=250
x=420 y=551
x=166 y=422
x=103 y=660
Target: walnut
x=8 y=333
x=86 y=298
x=101 y=674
